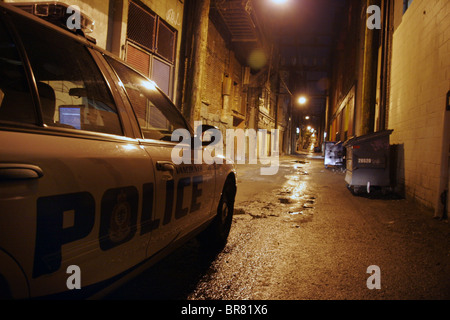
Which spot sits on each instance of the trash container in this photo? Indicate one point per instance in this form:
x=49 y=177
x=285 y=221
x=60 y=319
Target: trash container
x=367 y=161
x=333 y=154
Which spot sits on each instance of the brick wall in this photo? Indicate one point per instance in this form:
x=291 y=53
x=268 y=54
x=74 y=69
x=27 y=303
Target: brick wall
x=216 y=67
x=420 y=80
x=221 y=63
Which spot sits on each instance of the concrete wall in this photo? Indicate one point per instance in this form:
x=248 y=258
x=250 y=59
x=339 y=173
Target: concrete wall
x=420 y=80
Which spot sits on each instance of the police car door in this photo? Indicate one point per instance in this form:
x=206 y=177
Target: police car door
x=70 y=179
x=183 y=192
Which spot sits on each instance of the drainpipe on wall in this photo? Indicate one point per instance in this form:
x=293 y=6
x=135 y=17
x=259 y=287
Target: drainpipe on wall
x=226 y=99
x=195 y=70
x=369 y=85
x=441 y=210
x=386 y=39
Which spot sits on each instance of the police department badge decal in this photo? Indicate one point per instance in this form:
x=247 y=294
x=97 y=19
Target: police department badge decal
x=120 y=225
x=118 y=219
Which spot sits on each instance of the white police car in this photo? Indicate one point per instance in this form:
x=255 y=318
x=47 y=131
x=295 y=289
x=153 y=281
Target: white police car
x=87 y=182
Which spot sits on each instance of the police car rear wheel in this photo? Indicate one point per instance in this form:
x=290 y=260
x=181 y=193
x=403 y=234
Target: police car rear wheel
x=225 y=214
x=5 y=293
x=216 y=235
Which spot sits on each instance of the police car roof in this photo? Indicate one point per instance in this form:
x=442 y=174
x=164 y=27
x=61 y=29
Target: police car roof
x=79 y=37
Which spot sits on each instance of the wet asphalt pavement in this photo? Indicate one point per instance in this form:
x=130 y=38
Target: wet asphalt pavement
x=302 y=235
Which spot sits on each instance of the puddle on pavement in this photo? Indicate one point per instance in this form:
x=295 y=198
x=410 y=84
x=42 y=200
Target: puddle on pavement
x=291 y=208
x=301 y=209
x=292 y=203
x=238 y=211
x=301 y=161
x=299 y=169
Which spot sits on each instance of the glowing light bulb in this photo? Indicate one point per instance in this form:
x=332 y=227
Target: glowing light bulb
x=302 y=100
x=279 y=1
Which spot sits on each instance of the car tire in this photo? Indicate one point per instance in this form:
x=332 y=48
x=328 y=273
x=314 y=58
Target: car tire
x=5 y=292
x=216 y=235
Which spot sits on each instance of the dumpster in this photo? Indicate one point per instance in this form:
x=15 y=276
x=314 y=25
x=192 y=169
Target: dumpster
x=367 y=161
x=333 y=154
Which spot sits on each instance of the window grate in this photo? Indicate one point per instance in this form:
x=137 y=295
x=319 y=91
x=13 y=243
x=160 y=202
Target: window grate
x=139 y=59
x=165 y=41
x=141 y=26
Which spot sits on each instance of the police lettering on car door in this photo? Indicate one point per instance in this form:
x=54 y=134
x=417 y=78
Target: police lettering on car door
x=118 y=216
x=86 y=173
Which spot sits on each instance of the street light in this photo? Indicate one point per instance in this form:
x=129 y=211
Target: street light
x=302 y=100
x=279 y=1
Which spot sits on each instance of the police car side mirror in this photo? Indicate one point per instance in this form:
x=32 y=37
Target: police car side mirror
x=206 y=135
x=210 y=135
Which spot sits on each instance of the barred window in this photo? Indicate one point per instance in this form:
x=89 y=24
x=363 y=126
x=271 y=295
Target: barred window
x=149 y=31
x=151 y=45
x=141 y=26
x=165 y=41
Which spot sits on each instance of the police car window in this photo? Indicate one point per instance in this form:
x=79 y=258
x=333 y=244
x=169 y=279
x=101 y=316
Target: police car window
x=15 y=99
x=156 y=116
x=72 y=91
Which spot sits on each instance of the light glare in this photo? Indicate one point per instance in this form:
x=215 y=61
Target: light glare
x=150 y=85
x=129 y=147
x=302 y=100
x=279 y=1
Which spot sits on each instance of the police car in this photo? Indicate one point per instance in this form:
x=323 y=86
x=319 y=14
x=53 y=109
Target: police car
x=88 y=187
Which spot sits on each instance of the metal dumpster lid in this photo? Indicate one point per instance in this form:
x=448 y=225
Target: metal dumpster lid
x=369 y=136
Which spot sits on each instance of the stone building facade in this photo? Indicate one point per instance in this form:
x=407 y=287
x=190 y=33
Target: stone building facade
x=237 y=82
